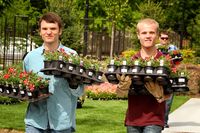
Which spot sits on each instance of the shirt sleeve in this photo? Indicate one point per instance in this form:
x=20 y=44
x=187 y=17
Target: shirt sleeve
x=172 y=47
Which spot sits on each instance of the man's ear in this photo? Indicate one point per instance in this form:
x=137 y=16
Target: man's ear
x=39 y=32
x=60 y=32
x=138 y=35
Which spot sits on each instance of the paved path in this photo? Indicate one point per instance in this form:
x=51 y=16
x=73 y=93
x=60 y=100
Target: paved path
x=185 y=119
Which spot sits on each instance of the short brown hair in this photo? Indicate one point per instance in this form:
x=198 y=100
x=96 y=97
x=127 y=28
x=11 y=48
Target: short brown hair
x=164 y=32
x=147 y=21
x=51 y=17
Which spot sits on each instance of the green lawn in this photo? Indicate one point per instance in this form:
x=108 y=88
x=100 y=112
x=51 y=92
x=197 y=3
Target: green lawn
x=96 y=116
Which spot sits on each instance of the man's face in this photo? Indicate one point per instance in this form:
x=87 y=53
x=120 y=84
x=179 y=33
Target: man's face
x=164 y=39
x=50 y=32
x=147 y=34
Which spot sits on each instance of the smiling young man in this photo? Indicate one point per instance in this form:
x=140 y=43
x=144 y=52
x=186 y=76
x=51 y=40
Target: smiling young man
x=145 y=113
x=55 y=114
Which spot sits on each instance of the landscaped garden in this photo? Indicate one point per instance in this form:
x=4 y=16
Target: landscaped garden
x=96 y=116
x=102 y=110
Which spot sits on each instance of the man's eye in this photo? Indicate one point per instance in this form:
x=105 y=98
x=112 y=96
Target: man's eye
x=152 y=33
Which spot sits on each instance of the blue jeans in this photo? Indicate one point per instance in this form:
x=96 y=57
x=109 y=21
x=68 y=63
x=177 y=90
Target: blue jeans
x=168 y=108
x=144 y=129
x=31 y=129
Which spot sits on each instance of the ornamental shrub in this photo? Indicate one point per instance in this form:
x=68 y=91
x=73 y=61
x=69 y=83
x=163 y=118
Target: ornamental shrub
x=104 y=91
x=188 y=56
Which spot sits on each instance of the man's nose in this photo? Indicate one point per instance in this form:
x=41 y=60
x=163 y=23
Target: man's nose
x=48 y=32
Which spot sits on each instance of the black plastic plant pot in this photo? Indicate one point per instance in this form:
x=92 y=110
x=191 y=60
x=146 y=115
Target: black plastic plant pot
x=33 y=94
x=181 y=80
x=148 y=78
x=137 y=80
x=90 y=72
x=15 y=90
x=57 y=64
x=99 y=75
x=162 y=80
x=161 y=70
x=44 y=90
x=124 y=68
x=70 y=67
x=8 y=89
x=22 y=93
x=112 y=78
x=136 y=69
x=148 y=69
x=111 y=68
x=1 y=88
x=80 y=69
x=47 y=64
x=181 y=89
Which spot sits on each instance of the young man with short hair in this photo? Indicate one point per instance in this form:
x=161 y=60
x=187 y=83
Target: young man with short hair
x=56 y=114
x=145 y=113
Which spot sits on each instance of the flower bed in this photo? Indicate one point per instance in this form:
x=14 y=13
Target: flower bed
x=104 y=91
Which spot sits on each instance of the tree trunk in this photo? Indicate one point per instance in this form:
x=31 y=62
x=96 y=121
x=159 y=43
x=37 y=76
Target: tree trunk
x=112 y=40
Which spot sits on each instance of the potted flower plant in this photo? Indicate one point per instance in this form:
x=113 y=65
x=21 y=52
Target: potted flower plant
x=7 y=86
x=2 y=83
x=11 y=79
x=136 y=67
x=162 y=69
x=163 y=49
x=112 y=68
x=176 y=56
x=54 y=61
x=98 y=70
x=180 y=80
x=124 y=65
x=149 y=69
x=36 y=85
x=72 y=62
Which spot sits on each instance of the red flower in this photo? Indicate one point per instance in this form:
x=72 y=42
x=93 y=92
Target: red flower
x=26 y=82
x=23 y=75
x=6 y=76
x=174 y=70
x=11 y=70
x=31 y=87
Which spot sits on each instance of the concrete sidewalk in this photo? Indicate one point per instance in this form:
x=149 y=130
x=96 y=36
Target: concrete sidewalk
x=185 y=119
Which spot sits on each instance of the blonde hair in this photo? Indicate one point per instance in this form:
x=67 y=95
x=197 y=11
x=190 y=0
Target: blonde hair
x=147 y=21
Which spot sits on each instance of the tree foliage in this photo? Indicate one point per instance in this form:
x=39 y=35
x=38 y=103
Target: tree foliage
x=3 y=5
x=72 y=30
x=181 y=16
